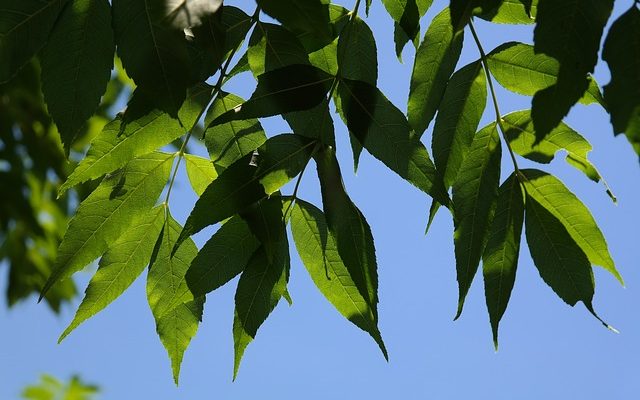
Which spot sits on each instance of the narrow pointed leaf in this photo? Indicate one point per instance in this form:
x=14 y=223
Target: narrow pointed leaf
x=260 y=288
x=230 y=141
x=622 y=93
x=118 y=203
x=200 y=172
x=76 y=64
x=406 y=15
x=433 y=211
x=320 y=256
x=500 y=257
x=357 y=53
x=435 y=61
x=291 y=88
x=222 y=258
x=474 y=196
x=519 y=69
x=266 y=222
x=24 y=29
x=458 y=117
x=176 y=321
x=554 y=196
x=512 y=12
x=384 y=131
x=119 y=267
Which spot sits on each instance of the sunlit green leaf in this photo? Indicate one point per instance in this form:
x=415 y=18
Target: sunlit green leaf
x=552 y=195
x=474 y=197
x=200 y=172
x=119 y=202
x=500 y=257
x=319 y=254
x=76 y=64
x=273 y=46
x=512 y=12
x=458 y=117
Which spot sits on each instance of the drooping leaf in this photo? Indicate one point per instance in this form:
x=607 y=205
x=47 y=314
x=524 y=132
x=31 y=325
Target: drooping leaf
x=433 y=211
x=24 y=29
x=181 y=14
x=118 y=203
x=309 y=16
x=406 y=14
x=357 y=53
x=320 y=256
x=500 y=257
x=552 y=195
x=291 y=88
x=474 y=198
x=435 y=61
x=260 y=288
x=176 y=311
x=560 y=261
x=222 y=258
x=349 y=228
x=458 y=117
x=76 y=64
x=570 y=32
x=622 y=53
x=512 y=12
x=249 y=180
x=156 y=56
x=232 y=140
x=200 y=172
x=384 y=131
x=119 y=267
x=118 y=143
x=266 y=222
x=521 y=135
x=519 y=69
x=273 y=46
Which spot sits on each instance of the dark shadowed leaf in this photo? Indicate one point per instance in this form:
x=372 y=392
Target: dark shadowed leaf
x=314 y=123
x=462 y=10
x=273 y=46
x=76 y=65
x=309 y=16
x=357 y=54
x=622 y=53
x=500 y=257
x=435 y=61
x=406 y=15
x=474 y=199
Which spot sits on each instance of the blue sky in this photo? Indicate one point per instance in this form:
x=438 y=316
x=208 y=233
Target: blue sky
x=547 y=349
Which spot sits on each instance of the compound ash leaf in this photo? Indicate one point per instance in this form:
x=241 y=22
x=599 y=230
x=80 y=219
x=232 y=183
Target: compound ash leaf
x=76 y=65
x=563 y=205
x=500 y=257
x=474 y=199
x=119 y=267
x=458 y=117
x=200 y=172
x=176 y=310
x=435 y=61
x=320 y=256
x=24 y=29
x=116 y=204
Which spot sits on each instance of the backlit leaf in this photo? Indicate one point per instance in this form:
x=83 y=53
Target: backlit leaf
x=310 y=16
x=273 y=46
x=357 y=53
x=181 y=14
x=200 y=172
x=512 y=12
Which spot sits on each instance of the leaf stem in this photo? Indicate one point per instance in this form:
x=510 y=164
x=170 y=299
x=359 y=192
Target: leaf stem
x=485 y=67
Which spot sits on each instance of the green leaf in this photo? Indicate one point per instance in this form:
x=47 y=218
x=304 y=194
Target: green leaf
x=309 y=16
x=266 y=222
x=462 y=10
x=272 y=47
x=76 y=65
x=521 y=135
x=222 y=258
x=406 y=14
x=118 y=203
x=119 y=267
x=232 y=140
x=500 y=257
x=435 y=61
x=118 y=143
x=181 y=14
x=512 y=12
x=200 y=172
x=236 y=24
x=319 y=254
x=242 y=65
x=519 y=69
x=260 y=288
x=433 y=211
x=384 y=131
x=314 y=123
x=349 y=228
x=198 y=98
x=176 y=311
x=560 y=261
x=474 y=198
x=154 y=55
x=24 y=29
x=280 y=159
x=622 y=54
x=291 y=88
x=458 y=117
x=551 y=194
x=357 y=53
x=570 y=32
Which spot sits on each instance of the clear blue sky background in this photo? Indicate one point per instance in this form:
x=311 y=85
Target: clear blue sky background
x=547 y=349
